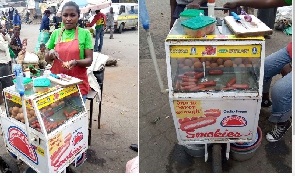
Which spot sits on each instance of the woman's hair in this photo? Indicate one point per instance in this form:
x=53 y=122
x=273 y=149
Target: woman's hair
x=72 y=4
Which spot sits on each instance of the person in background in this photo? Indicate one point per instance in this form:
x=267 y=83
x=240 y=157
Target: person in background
x=3 y=16
x=17 y=20
x=132 y=10
x=178 y=6
x=28 y=17
x=10 y=13
x=267 y=16
x=73 y=45
x=110 y=22
x=44 y=30
x=15 y=43
x=282 y=90
x=100 y=23
x=41 y=55
x=5 y=61
x=57 y=21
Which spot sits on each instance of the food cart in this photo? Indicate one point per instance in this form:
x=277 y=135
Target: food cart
x=54 y=132
x=215 y=85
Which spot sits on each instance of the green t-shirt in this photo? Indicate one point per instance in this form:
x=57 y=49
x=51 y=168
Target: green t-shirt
x=84 y=37
x=289 y=2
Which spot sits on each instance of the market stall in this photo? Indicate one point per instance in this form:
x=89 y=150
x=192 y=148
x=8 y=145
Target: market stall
x=215 y=81
x=46 y=124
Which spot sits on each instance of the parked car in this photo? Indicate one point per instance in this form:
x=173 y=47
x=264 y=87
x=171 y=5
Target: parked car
x=126 y=16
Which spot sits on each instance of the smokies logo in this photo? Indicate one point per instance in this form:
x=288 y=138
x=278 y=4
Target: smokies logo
x=77 y=138
x=233 y=121
x=18 y=139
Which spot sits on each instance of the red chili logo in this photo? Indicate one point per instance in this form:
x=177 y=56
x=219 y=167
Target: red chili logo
x=233 y=121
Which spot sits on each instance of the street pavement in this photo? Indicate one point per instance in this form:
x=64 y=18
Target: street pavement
x=109 y=150
x=159 y=149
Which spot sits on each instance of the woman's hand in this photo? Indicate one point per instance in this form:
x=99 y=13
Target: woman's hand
x=52 y=54
x=230 y=5
x=69 y=64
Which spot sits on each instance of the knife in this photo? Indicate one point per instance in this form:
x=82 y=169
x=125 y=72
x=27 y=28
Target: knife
x=238 y=19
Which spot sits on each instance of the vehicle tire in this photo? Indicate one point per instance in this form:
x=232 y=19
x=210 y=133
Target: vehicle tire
x=134 y=28
x=121 y=28
x=216 y=158
x=8 y=164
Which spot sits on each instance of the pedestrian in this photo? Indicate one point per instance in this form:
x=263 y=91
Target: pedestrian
x=100 y=23
x=57 y=21
x=73 y=45
x=28 y=17
x=10 y=13
x=268 y=17
x=282 y=90
x=110 y=22
x=15 y=42
x=44 y=30
x=41 y=55
x=5 y=62
x=17 y=20
x=178 y=6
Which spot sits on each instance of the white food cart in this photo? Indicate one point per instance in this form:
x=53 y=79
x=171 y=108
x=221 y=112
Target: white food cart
x=57 y=130
x=226 y=107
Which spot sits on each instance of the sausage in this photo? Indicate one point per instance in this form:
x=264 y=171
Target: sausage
x=208 y=83
x=231 y=82
x=207 y=88
x=215 y=72
x=189 y=80
x=181 y=76
x=212 y=113
x=73 y=113
x=66 y=113
x=199 y=123
x=187 y=87
x=199 y=75
x=195 y=88
x=226 y=88
x=177 y=85
x=241 y=86
x=188 y=84
x=189 y=73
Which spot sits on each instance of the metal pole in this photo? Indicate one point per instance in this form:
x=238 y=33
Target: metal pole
x=154 y=59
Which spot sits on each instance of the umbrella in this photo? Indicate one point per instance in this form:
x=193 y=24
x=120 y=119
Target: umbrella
x=84 y=4
x=96 y=5
x=145 y=20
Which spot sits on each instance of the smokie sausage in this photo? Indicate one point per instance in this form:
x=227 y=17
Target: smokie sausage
x=240 y=86
x=189 y=73
x=226 y=88
x=197 y=88
x=199 y=75
x=215 y=72
x=231 y=82
x=189 y=79
x=208 y=83
x=188 y=84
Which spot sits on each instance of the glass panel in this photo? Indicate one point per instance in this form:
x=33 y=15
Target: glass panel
x=222 y=74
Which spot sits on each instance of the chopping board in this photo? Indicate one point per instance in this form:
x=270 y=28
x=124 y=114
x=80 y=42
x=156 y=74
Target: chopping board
x=255 y=28
x=65 y=82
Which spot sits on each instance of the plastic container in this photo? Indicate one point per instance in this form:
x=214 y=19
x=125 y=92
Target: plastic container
x=41 y=84
x=19 y=80
x=211 y=9
x=27 y=83
x=243 y=155
x=199 y=26
x=144 y=17
x=190 y=13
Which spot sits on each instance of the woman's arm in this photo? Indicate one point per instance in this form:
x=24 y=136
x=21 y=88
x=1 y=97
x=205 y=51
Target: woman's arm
x=84 y=62
x=256 y=4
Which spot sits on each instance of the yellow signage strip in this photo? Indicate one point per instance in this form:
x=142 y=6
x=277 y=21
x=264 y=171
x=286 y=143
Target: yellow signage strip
x=17 y=99
x=180 y=51
x=212 y=37
x=57 y=96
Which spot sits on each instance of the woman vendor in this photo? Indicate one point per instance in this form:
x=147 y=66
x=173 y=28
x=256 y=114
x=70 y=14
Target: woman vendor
x=73 y=45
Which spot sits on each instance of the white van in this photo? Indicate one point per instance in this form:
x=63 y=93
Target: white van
x=126 y=16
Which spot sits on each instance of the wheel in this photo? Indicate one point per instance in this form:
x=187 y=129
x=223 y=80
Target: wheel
x=134 y=28
x=121 y=28
x=216 y=158
x=8 y=164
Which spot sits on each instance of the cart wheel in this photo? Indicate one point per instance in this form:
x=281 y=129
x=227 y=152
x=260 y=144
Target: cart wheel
x=8 y=164
x=216 y=158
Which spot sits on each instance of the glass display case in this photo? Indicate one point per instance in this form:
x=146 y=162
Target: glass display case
x=215 y=85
